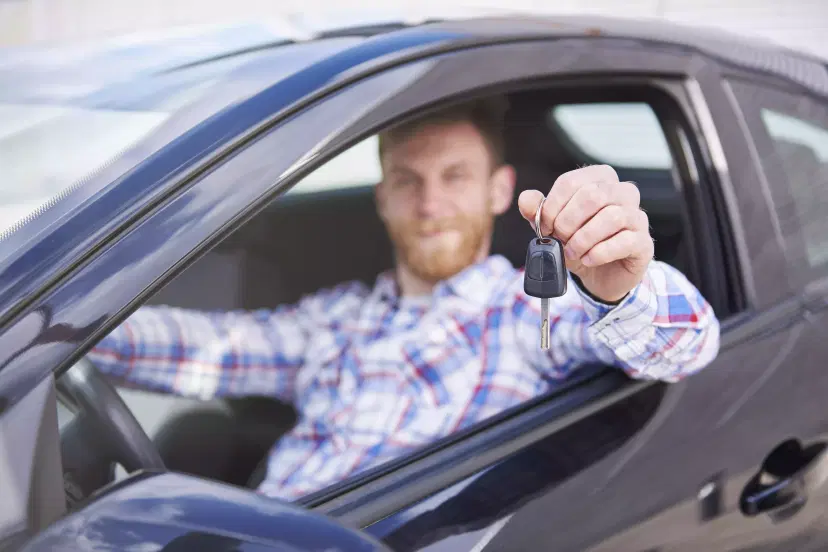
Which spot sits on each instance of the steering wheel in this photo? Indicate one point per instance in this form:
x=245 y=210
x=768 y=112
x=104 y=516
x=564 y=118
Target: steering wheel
x=103 y=433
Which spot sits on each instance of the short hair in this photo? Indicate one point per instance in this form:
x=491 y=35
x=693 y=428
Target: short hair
x=486 y=115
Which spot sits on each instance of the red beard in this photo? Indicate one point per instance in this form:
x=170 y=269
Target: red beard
x=433 y=262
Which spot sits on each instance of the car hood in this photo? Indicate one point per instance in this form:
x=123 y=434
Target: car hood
x=168 y=512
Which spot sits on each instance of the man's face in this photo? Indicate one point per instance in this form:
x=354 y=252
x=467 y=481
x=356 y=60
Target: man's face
x=439 y=196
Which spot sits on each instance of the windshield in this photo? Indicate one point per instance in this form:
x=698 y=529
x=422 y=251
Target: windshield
x=54 y=134
x=46 y=148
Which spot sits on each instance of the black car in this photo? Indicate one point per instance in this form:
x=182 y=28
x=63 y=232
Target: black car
x=166 y=174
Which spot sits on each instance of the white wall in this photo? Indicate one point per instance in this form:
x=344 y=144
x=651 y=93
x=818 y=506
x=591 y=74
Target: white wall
x=798 y=23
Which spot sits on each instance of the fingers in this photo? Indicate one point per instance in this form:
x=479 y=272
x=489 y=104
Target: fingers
x=576 y=197
x=597 y=178
x=608 y=222
x=587 y=201
x=636 y=247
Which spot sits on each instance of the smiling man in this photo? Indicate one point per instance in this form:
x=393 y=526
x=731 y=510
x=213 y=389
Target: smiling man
x=448 y=337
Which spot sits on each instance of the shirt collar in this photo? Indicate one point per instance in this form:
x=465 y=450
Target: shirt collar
x=475 y=283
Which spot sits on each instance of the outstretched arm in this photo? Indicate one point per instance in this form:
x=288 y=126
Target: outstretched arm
x=664 y=329
x=622 y=305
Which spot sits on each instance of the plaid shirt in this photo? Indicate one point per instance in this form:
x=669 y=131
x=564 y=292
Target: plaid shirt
x=375 y=375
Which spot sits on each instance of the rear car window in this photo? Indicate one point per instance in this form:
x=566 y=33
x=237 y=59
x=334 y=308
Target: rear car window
x=802 y=149
x=790 y=132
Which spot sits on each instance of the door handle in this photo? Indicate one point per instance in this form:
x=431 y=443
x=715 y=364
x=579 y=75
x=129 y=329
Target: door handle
x=788 y=474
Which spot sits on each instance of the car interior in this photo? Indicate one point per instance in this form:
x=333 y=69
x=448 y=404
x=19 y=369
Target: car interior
x=265 y=263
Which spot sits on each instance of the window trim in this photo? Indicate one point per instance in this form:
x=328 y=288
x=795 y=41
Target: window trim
x=721 y=272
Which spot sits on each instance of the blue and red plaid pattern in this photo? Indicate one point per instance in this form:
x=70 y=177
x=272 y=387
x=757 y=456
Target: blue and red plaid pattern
x=375 y=375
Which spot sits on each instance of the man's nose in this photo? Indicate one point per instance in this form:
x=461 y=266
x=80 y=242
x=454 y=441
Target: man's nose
x=431 y=198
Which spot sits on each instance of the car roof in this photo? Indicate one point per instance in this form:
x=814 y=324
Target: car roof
x=166 y=49
x=37 y=248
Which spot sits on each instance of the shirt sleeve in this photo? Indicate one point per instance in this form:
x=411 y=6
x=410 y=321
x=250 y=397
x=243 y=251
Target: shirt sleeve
x=663 y=329
x=213 y=354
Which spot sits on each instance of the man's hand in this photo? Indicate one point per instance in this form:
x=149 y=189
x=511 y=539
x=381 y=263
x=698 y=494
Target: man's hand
x=606 y=235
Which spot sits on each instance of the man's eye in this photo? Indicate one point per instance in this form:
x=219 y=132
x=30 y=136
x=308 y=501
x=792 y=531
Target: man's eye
x=403 y=181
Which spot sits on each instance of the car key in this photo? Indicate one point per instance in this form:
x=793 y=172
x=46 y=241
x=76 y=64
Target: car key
x=545 y=275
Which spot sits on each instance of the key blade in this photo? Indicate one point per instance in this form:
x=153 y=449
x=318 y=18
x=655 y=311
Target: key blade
x=544 y=324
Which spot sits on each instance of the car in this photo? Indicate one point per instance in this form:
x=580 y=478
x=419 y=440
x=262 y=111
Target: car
x=236 y=169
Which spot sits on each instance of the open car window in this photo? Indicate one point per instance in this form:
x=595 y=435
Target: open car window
x=264 y=267
x=624 y=134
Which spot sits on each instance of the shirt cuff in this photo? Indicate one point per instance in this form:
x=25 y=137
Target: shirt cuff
x=597 y=308
x=622 y=326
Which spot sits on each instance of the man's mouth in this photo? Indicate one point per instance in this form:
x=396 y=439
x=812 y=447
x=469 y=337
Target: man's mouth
x=435 y=228
x=433 y=233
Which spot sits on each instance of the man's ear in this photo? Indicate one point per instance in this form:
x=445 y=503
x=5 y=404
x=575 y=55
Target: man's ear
x=379 y=199
x=503 y=189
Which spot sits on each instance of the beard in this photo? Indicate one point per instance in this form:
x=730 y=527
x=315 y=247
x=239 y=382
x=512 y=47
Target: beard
x=433 y=257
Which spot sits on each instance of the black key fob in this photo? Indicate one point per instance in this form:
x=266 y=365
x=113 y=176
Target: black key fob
x=545 y=275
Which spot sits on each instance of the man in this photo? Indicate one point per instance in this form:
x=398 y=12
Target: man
x=448 y=337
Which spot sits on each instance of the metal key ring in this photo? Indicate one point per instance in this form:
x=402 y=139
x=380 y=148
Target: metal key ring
x=537 y=219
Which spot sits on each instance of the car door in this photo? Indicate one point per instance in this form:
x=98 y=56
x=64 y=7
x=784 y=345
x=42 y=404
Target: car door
x=760 y=400
x=729 y=459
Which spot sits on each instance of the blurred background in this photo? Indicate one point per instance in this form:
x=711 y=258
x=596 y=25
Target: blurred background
x=801 y=24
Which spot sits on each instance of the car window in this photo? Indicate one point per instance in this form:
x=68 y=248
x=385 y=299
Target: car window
x=624 y=134
x=785 y=129
x=802 y=148
x=619 y=134
x=357 y=166
x=791 y=136
x=349 y=383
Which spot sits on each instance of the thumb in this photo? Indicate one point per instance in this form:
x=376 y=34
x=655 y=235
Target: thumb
x=528 y=203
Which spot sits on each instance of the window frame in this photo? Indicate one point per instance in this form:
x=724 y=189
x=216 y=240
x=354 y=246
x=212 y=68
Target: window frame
x=493 y=68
